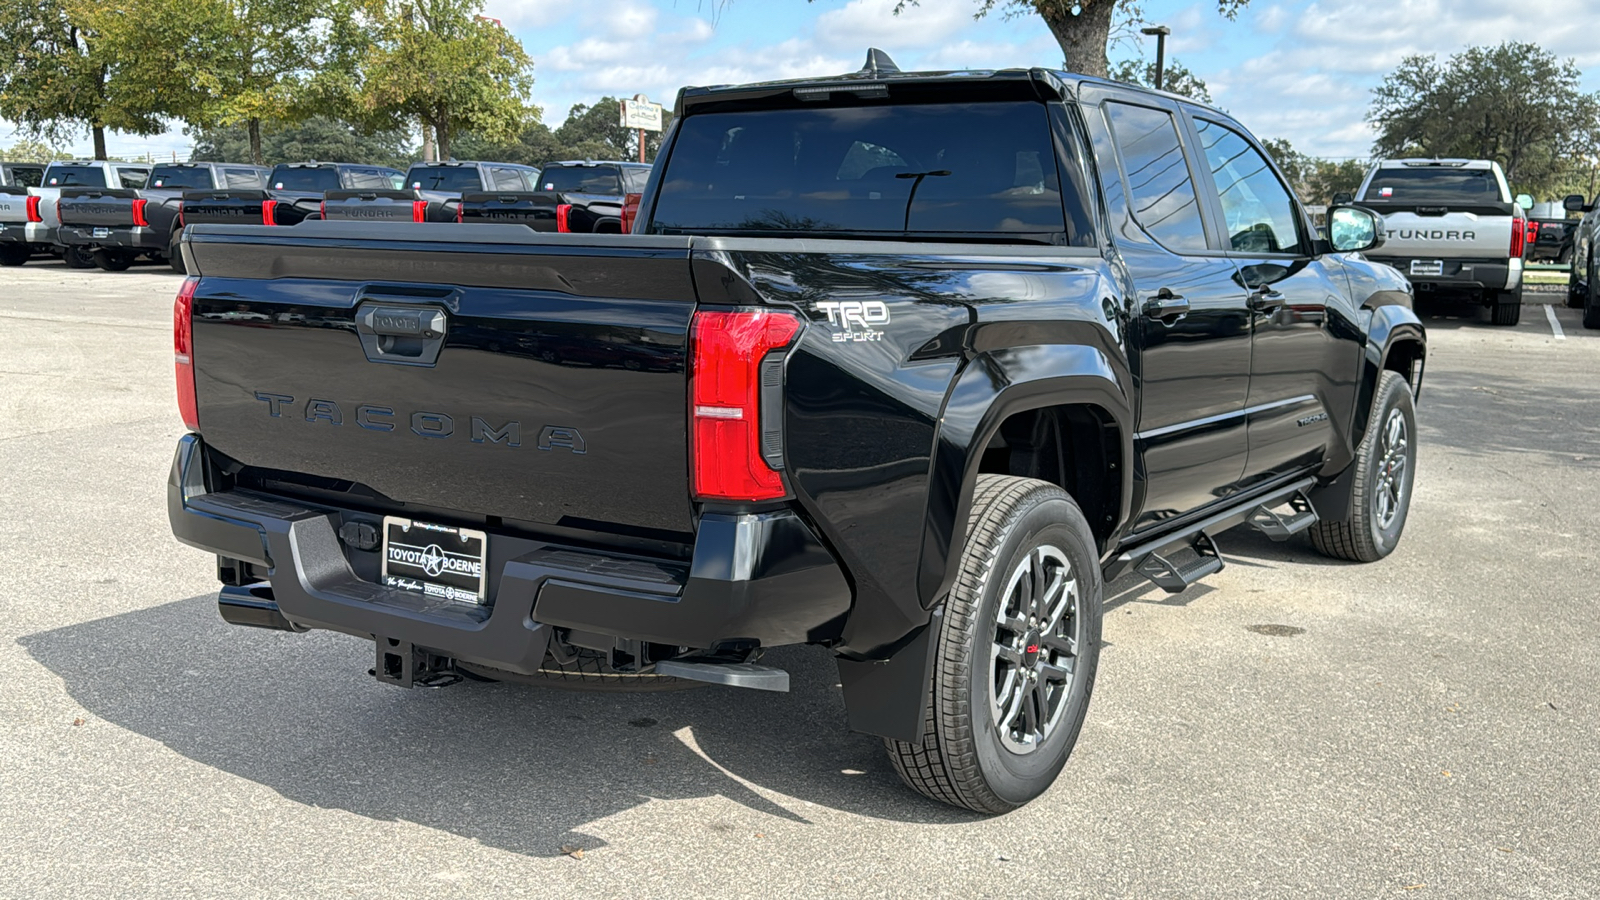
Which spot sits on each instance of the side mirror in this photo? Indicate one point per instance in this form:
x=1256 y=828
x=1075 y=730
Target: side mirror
x=1352 y=229
x=1343 y=198
x=1574 y=203
x=1525 y=201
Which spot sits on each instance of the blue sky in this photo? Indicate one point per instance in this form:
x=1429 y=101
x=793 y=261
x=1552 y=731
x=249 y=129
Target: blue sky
x=1300 y=69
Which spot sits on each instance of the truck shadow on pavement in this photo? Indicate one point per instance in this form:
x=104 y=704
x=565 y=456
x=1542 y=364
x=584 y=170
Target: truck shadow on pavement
x=516 y=767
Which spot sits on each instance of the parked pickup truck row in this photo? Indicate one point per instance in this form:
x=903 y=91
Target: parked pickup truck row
x=109 y=214
x=908 y=366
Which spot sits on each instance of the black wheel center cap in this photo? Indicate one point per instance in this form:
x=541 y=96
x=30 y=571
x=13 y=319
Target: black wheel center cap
x=1030 y=649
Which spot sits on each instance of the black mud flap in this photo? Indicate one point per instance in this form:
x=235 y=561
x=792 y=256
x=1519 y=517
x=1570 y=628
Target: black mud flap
x=889 y=697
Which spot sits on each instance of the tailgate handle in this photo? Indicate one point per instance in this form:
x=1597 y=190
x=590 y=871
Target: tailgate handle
x=405 y=335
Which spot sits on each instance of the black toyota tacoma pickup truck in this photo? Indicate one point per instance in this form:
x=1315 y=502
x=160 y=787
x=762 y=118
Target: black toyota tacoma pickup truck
x=117 y=225
x=577 y=197
x=908 y=366
x=294 y=193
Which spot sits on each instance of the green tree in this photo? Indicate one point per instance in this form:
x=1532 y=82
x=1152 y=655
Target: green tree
x=589 y=132
x=1083 y=28
x=57 y=78
x=442 y=62
x=32 y=151
x=215 y=63
x=317 y=138
x=1177 y=78
x=1514 y=103
x=1316 y=180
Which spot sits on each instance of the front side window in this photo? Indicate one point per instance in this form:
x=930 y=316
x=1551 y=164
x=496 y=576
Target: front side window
x=505 y=179
x=242 y=178
x=368 y=180
x=1164 y=200
x=133 y=178
x=27 y=176
x=955 y=169
x=1258 y=209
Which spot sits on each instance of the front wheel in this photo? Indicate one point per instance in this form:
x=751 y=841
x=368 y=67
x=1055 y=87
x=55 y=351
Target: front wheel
x=1015 y=652
x=1380 y=486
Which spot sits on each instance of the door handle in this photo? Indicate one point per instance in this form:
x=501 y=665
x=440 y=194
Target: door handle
x=1166 y=305
x=1265 y=298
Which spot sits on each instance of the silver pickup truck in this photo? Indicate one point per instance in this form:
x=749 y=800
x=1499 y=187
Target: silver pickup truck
x=29 y=223
x=1452 y=228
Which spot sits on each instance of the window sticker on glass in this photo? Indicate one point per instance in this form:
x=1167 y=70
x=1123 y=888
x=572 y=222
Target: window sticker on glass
x=1386 y=192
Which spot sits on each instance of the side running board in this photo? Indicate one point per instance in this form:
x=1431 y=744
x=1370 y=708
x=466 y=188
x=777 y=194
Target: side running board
x=742 y=675
x=1280 y=526
x=1175 y=578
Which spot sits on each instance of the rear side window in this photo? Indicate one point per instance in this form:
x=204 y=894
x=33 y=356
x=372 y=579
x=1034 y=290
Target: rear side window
x=444 y=178
x=74 y=176
x=175 y=177
x=1434 y=183
x=635 y=179
x=1164 y=200
x=133 y=178
x=581 y=179
x=938 y=168
x=242 y=178
x=505 y=179
x=311 y=179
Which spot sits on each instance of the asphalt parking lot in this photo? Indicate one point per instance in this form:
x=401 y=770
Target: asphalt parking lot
x=1425 y=726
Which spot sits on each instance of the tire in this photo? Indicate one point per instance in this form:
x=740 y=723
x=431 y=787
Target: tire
x=1507 y=308
x=175 y=253
x=1591 y=299
x=1020 y=529
x=78 y=258
x=112 y=260
x=1370 y=533
x=1574 y=294
x=14 y=254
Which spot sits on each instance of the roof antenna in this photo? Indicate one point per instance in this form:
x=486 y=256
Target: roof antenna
x=878 y=63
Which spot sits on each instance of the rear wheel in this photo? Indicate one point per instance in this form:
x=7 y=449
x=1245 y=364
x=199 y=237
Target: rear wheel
x=78 y=258
x=14 y=254
x=113 y=260
x=1507 y=308
x=1015 y=652
x=1591 y=300
x=1380 y=486
x=175 y=253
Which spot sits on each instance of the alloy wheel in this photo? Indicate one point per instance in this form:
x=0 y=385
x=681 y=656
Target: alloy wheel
x=1035 y=654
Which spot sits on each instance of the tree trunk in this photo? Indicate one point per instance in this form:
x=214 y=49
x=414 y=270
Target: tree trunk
x=1082 y=36
x=255 y=141
x=445 y=134
x=429 y=152
x=99 y=141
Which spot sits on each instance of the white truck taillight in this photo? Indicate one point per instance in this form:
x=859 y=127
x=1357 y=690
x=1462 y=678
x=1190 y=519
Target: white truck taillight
x=733 y=448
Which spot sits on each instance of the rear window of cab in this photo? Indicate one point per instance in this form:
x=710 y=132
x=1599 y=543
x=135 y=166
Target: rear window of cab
x=984 y=169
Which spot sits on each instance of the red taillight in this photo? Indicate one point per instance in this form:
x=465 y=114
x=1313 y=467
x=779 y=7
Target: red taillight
x=1533 y=233
x=630 y=211
x=730 y=445
x=269 y=212
x=322 y=209
x=563 y=213
x=1518 y=234
x=419 y=210
x=458 y=213
x=138 y=214
x=180 y=215
x=33 y=210
x=183 y=352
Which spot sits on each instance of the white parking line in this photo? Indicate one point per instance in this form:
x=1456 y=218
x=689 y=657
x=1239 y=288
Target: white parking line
x=1555 y=326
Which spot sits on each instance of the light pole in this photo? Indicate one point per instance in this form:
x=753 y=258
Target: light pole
x=1161 y=32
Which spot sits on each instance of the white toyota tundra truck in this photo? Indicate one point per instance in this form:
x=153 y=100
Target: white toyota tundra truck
x=1452 y=227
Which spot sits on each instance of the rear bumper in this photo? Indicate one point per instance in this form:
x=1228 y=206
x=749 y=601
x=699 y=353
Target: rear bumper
x=13 y=233
x=40 y=233
x=1461 y=274
x=123 y=237
x=761 y=576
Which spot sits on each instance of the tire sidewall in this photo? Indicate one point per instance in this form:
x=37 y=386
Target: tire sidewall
x=1015 y=778
x=1397 y=396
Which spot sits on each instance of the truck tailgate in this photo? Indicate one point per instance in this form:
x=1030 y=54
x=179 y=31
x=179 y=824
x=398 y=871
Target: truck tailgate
x=1455 y=233
x=96 y=206
x=486 y=370
x=535 y=210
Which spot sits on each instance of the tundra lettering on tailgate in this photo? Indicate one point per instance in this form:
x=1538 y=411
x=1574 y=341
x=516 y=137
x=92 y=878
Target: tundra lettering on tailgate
x=422 y=423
